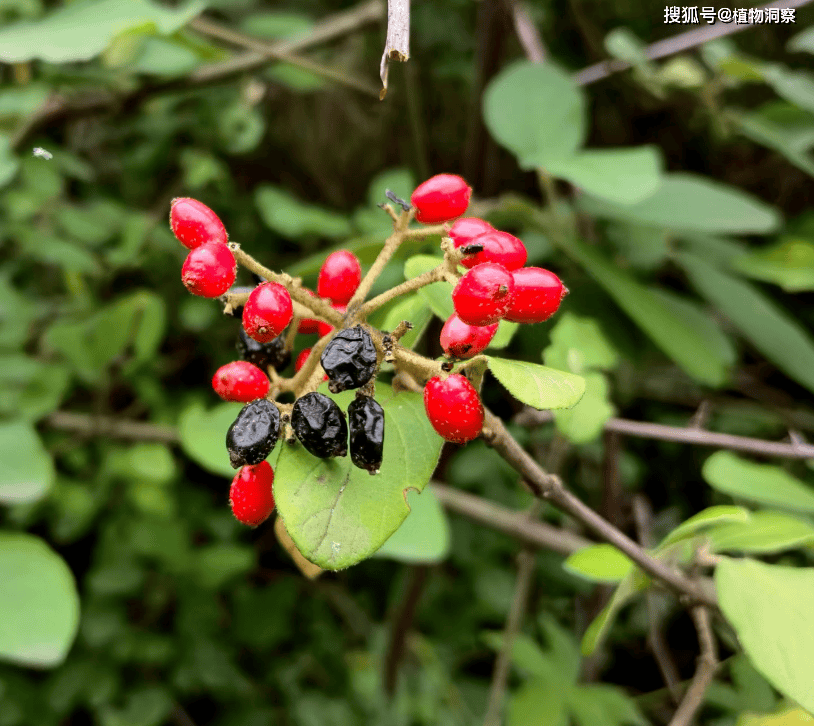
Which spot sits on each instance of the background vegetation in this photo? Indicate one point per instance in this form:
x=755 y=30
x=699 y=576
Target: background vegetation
x=680 y=223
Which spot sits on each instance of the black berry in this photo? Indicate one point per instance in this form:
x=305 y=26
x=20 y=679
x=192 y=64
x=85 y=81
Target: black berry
x=366 y=424
x=320 y=425
x=263 y=355
x=349 y=359
x=252 y=435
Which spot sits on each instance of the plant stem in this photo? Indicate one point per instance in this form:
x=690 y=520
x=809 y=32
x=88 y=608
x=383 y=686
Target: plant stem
x=427 y=278
x=318 y=306
x=550 y=488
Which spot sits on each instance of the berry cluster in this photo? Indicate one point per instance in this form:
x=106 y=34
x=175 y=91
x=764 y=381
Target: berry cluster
x=349 y=360
x=497 y=286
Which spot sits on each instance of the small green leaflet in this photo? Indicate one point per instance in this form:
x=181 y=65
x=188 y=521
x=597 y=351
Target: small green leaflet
x=538 y=386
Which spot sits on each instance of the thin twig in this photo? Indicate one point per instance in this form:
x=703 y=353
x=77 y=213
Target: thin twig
x=526 y=31
x=112 y=427
x=515 y=523
x=685 y=435
x=705 y=671
x=500 y=674
x=678 y=43
x=549 y=487
x=402 y=622
x=397 y=45
x=268 y=50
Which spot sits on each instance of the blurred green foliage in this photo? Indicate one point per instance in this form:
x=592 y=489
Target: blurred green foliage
x=688 y=253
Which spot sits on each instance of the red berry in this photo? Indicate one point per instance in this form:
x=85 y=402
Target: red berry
x=209 y=270
x=339 y=277
x=453 y=408
x=500 y=247
x=267 y=311
x=301 y=358
x=483 y=295
x=250 y=495
x=308 y=325
x=325 y=328
x=461 y=340
x=537 y=295
x=193 y=223
x=240 y=381
x=466 y=229
x=300 y=362
x=441 y=198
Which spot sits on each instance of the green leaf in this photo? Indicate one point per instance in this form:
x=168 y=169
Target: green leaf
x=290 y=217
x=282 y=25
x=722 y=513
x=164 y=57
x=769 y=607
x=536 y=111
x=625 y=176
x=694 y=203
x=579 y=344
x=27 y=472
x=505 y=332
x=765 y=532
x=790 y=137
x=599 y=563
x=668 y=326
x=216 y=564
x=82 y=30
x=536 y=385
x=538 y=701
x=336 y=513
x=632 y=584
x=762 y=483
x=789 y=263
x=802 y=42
x=602 y=705
x=423 y=536
x=796 y=87
x=39 y=607
x=8 y=162
x=760 y=320
x=411 y=308
x=437 y=296
x=586 y=420
x=789 y=716
x=203 y=435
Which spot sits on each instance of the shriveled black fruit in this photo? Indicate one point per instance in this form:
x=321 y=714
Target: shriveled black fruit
x=366 y=424
x=252 y=435
x=263 y=355
x=349 y=359
x=320 y=425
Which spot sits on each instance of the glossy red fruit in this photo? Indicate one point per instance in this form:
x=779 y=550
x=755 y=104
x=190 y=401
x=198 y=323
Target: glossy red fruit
x=193 y=223
x=250 y=495
x=454 y=408
x=537 y=295
x=466 y=229
x=209 y=270
x=483 y=295
x=461 y=340
x=240 y=381
x=441 y=198
x=308 y=325
x=500 y=247
x=267 y=311
x=325 y=328
x=339 y=277
x=301 y=358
